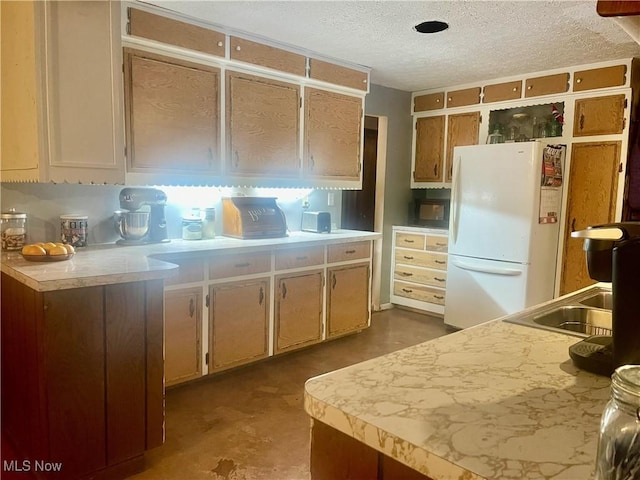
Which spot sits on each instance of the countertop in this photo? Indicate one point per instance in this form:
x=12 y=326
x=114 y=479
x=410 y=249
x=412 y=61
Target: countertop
x=109 y=263
x=419 y=229
x=498 y=400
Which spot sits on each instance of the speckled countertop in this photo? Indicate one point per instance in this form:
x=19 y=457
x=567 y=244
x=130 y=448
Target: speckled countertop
x=496 y=401
x=109 y=264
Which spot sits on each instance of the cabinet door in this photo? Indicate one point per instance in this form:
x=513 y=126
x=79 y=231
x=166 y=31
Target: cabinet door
x=182 y=327
x=347 y=299
x=333 y=133
x=239 y=314
x=298 y=310
x=463 y=129
x=591 y=200
x=263 y=126
x=429 y=151
x=172 y=113
x=599 y=116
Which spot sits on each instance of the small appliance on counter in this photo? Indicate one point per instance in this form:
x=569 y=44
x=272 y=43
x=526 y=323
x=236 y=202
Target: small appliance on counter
x=252 y=218
x=429 y=212
x=613 y=255
x=142 y=219
x=317 y=222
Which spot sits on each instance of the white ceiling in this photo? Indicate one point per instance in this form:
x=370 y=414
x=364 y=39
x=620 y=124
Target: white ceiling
x=485 y=40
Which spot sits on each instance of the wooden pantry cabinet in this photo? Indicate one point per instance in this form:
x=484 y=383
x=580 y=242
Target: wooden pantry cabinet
x=419 y=268
x=61 y=92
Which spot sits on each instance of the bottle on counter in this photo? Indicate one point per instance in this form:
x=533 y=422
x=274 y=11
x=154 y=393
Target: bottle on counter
x=618 y=456
x=14 y=230
x=209 y=223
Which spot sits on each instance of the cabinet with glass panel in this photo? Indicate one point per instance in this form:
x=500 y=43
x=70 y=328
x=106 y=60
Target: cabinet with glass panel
x=521 y=124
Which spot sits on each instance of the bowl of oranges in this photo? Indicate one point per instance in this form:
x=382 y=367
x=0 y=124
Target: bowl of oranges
x=47 y=252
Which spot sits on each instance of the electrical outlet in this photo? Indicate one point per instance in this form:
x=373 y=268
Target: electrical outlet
x=331 y=200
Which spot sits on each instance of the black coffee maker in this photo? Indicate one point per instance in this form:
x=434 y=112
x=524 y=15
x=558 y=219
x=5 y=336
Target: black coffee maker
x=613 y=255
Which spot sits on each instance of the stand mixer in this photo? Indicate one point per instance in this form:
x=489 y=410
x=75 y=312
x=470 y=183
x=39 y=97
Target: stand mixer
x=142 y=219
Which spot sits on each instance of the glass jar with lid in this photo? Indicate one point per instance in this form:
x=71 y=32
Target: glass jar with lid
x=209 y=223
x=618 y=456
x=14 y=230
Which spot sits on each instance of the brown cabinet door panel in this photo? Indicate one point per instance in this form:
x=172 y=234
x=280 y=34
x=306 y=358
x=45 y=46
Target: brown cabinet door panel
x=263 y=125
x=432 y=101
x=460 y=98
x=298 y=310
x=267 y=56
x=429 y=153
x=347 y=299
x=339 y=75
x=463 y=129
x=546 y=85
x=599 y=116
x=593 y=181
x=599 y=78
x=182 y=347
x=172 y=114
x=502 y=91
x=333 y=132
x=239 y=323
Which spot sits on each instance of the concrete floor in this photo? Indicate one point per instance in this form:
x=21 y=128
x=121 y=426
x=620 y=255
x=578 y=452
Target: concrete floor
x=249 y=424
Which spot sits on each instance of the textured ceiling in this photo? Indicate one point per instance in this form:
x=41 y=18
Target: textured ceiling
x=485 y=40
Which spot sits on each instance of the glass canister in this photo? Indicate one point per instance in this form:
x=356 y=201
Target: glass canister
x=209 y=223
x=14 y=230
x=191 y=228
x=618 y=455
x=73 y=229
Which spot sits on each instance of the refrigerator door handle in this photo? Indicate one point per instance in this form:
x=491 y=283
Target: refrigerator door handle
x=456 y=199
x=483 y=269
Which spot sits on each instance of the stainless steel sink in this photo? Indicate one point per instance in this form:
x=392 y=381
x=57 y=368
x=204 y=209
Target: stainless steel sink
x=581 y=315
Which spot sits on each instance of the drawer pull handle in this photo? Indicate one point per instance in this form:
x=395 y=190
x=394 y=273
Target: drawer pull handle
x=302 y=258
x=333 y=286
x=407 y=258
x=192 y=308
x=438 y=279
x=261 y=296
x=439 y=297
x=441 y=244
x=440 y=262
x=241 y=265
x=406 y=274
x=407 y=290
x=284 y=290
x=349 y=251
x=406 y=240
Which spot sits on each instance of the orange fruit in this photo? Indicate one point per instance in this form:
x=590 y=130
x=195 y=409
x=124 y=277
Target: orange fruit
x=48 y=246
x=57 y=250
x=33 y=250
x=69 y=248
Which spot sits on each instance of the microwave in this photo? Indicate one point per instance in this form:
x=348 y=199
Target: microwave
x=430 y=212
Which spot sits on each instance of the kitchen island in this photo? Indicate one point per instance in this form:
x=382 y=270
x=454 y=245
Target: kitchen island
x=83 y=349
x=498 y=400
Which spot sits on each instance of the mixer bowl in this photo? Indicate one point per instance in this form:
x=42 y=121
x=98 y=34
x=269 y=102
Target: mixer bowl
x=131 y=225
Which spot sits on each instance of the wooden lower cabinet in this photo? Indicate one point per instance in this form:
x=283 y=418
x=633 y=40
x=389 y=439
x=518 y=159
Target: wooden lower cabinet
x=347 y=299
x=337 y=456
x=239 y=323
x=82 y=376
x=183 y=335
x=298 y=310
x=591 y=200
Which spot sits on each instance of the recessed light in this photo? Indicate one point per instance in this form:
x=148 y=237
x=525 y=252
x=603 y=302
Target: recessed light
x=432 y=26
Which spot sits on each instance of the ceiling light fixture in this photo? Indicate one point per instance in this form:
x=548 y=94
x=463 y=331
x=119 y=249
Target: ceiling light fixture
x=432 y=26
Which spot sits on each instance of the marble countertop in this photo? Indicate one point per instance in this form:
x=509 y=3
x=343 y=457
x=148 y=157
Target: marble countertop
x=498 y=400
x=110 y=263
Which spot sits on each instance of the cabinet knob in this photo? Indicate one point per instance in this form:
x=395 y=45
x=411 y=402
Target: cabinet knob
x=578 y=80
x=238 y=48
x=220 y=44
x=437 y=100
x=529 y=87
x=515 y=89
x=364 y=81
x=449 y=99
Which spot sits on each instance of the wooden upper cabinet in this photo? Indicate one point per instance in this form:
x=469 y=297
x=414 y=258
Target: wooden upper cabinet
x=172 y=114
x=332 y=135
x=547 y=85
x=599 y=116
x=502 y=91
x=331 y=73
x=463 y=129
x=429 y=149
x=615 y=8
x=432 y=101
x=600 y=78
x=174 y=32
x=460 y=98
x=263 y=126
x=267 y=56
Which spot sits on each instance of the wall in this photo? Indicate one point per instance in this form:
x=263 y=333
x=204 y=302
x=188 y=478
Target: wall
x=396 y=106
x=44 y=203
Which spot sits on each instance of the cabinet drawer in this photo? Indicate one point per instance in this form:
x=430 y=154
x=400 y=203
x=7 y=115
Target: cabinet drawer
x=267 y=56
x=546 y=85
x=235 y=265
x=435 y=278
x=421 y=259
x=185 y=35
x=419 y=292
x=348 y=251
x=433 y=101
x=437 y=244
x=460 y=98
x=502 y=91
x=328 y=72
x=599 y=78
x=299 y=257
x=191 y=270
x=410 y=240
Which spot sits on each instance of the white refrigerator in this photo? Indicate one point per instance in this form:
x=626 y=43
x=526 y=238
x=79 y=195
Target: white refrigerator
x=503 y=230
